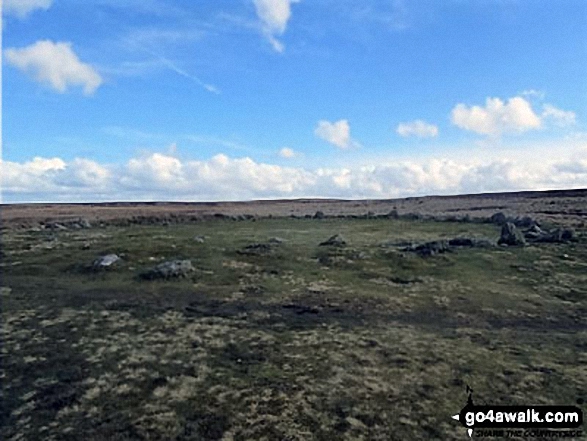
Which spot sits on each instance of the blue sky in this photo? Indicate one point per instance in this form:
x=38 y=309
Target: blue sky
x=245 y=99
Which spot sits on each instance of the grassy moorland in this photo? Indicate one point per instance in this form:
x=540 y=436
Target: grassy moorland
x=292 y=341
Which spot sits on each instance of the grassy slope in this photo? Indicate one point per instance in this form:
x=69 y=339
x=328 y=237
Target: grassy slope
x=307 y=342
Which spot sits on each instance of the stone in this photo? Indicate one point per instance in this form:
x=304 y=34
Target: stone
x=56 y=226
x=469 y=242
x=256 y=249
x=498 y=218
x=534 y=232
x=85 y=223
x=525 y=222
x=168 y=270
x=319 y=215
x=430 y=248
x=558 y=236
x=105 y=261
x=510 y=235
x=461 y=242
x=200 y=239
x=276 y=240
x=337 y=240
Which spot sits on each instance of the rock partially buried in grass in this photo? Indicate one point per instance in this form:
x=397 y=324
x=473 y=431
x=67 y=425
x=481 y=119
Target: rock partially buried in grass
x=465 y=242
x=105 y=261
x=200 y=239
x=256 y=249
x=169 y=270
x=557 y=236
x=510 y=235
x=336 y=241
x=534 y=232
x=430 y=248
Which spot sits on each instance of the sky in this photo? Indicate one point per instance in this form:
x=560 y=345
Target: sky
x=139 y=100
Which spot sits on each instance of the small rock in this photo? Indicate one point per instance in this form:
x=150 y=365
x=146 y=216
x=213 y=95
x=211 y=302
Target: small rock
x=84 y=223
x=430 y=248
x=558 y=236
x=393 y=214
x=534 y=232
x=105 y=261
x=461 y=242
x=200 y=239
x=56 y=226
x=510 y=235
x=256 y=249
x=337 y=240
x=319 y=215
x=276 y=240
x=169 y=269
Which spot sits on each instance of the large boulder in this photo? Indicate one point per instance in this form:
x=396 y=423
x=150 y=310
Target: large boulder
x=170 y=269
x=498 y=218
x=525 y=222
x=510 y=235
x=336 y=241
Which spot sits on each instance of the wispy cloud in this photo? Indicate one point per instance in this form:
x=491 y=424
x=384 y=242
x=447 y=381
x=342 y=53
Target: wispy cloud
x=418 y=128
x=22 y=8
x=173 y=67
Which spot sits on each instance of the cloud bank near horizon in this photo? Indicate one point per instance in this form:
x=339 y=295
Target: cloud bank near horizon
x=164 y=176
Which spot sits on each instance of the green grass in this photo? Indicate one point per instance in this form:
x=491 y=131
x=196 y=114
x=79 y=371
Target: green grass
x=305 y=342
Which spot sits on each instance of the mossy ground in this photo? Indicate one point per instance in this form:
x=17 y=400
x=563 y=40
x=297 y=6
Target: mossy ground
x=303 y=342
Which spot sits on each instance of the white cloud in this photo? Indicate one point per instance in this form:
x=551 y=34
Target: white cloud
x=336 y=133
x=561 y=118
x=163 y=176
x=497 y=117
x=274 y=16
x=54 y=64
x=287 y=153
x=22 y=8
x=418 y=128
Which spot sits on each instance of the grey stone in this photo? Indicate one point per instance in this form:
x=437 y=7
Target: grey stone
x=256 y=249
x=558 y=236
x=498 y=218
x=510 y=235
x=169 y=269
x=430 y=248
x=105 y=261
x=319 y=215
x=337 y=241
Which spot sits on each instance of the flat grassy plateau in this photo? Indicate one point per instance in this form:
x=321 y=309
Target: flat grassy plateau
x=297 y=342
